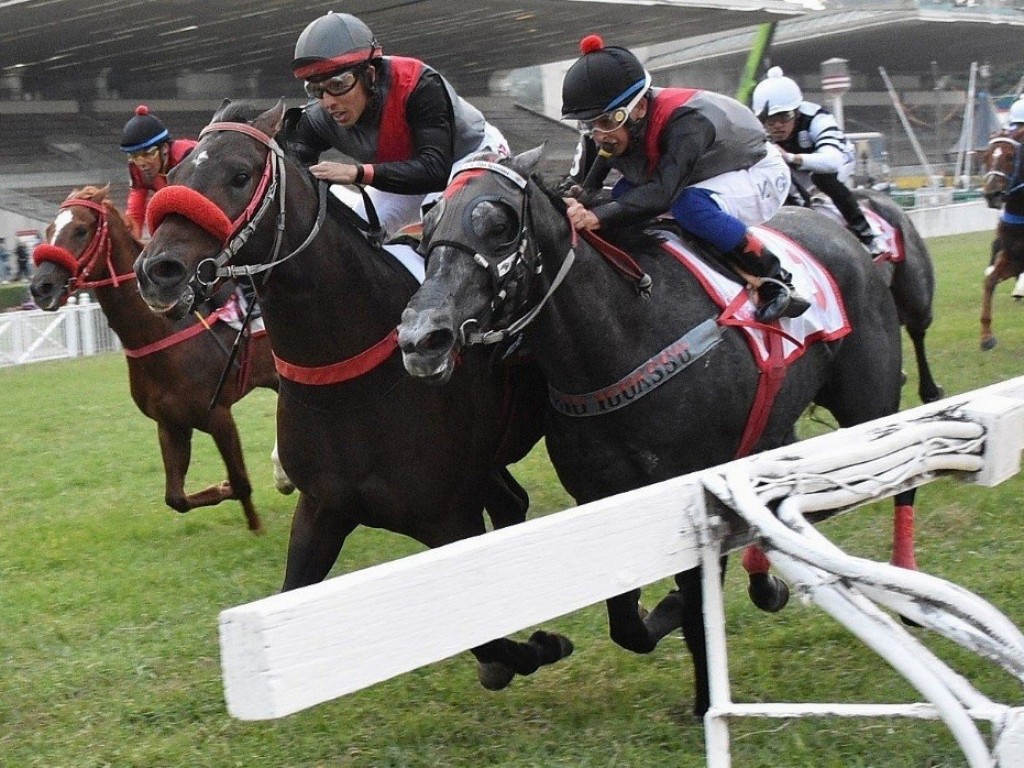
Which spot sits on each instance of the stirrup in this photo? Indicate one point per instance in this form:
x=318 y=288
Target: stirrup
x=785 y=303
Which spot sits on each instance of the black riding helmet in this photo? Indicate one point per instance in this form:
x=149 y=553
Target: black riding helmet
x=333 y=42
x=142 y=131
x=602 y=79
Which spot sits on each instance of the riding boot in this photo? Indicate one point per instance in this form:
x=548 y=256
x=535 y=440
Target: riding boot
x=776 y=297
x=874 y=242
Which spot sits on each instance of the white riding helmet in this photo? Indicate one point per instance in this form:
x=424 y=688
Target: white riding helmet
x=775 y=94
x=1017 y=111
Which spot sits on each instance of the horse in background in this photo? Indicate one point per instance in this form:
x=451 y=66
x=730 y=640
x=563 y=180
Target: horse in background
x=1003 y=162
x=908 y=270
x=174 y=367
x=365 y=443
x=504 y=260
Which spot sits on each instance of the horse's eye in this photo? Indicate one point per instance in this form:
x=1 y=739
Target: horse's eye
x=81 y=230
x=240 y=179
x=491 y=220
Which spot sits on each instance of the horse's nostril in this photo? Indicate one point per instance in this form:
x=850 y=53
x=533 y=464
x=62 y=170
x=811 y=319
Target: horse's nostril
x=165 y=271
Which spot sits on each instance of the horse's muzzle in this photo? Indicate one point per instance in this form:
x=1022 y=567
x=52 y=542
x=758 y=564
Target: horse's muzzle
x=164 y=286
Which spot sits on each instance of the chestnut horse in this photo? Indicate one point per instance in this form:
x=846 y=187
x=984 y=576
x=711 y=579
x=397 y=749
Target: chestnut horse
x=1003 y=162
x=365 y=443
x=646 y=382
x=173 y=367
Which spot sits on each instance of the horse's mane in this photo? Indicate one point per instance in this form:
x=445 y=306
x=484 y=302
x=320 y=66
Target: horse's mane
x=236 y=112
x=100 y=195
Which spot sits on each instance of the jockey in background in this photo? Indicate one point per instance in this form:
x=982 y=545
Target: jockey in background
x=698 y=155
x=152 y=153
x=1016 y=119
x=815 y=147
x=401 y=121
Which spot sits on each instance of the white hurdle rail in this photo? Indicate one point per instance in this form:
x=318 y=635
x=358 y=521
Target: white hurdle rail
x=294 y=650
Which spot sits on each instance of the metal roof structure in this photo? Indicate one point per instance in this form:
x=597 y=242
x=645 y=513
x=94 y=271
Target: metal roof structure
x=57 y=48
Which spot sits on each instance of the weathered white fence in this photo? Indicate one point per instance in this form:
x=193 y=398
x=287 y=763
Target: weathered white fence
x=77 y=329
x=294 y=650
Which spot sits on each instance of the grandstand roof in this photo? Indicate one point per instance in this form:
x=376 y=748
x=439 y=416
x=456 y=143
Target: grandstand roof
x=143 y=42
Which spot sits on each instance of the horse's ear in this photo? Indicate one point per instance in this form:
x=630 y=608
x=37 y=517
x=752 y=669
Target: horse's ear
x=103 y=191
x=220 y=111
x=527 y=161
x=270 y=122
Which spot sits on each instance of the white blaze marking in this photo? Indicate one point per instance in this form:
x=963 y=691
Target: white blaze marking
x=63 y=219
x=199 y=158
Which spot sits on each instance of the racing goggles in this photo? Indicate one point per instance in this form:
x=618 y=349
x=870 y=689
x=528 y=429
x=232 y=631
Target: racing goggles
x=338 y=85
x=611 y=121
x=606 y=123
x=143 y=155
x=779 y=118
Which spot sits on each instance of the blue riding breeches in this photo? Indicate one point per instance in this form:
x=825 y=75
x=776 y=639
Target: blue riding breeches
x=697 y=213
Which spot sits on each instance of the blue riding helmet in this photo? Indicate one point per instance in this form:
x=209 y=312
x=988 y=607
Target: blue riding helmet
x=143 y=131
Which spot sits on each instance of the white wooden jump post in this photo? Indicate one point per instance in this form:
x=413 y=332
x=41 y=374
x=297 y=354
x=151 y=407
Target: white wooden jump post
x=293 y=650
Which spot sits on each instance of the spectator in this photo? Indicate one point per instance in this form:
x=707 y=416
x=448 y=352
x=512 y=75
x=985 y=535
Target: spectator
x=5 y=260
x=21 y=257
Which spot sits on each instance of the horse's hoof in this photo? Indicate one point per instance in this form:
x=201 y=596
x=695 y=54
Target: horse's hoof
x=552 y=646
x=494 y=675
x=908 y=622
x=903 y=378
x=768 y=592
x=936 y=394
x=987 y=343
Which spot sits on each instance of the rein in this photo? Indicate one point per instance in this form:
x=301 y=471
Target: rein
x=100 y=248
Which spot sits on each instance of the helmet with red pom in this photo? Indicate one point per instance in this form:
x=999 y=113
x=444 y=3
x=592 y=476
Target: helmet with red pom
x=603 y=79
x=142 y=131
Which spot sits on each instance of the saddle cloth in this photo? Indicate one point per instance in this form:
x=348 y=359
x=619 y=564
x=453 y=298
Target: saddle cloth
x=825 y=320
x=892 y=237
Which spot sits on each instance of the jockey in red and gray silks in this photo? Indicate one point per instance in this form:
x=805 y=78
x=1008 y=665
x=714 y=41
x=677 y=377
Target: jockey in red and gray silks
x=701 y=156
x=398 y=118
x=690 y=136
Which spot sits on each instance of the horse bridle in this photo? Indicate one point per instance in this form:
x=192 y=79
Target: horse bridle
x=233 y=235
x=100 y=248
x=500 y=267
x=1014 y=179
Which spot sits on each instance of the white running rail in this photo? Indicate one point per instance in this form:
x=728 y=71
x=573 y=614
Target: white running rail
x=293 y=650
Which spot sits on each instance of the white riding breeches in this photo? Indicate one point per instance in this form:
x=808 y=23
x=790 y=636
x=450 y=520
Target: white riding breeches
x=755 y=194
x=399 y=211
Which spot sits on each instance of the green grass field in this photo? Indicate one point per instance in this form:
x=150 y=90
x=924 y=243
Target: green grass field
x=109 y=605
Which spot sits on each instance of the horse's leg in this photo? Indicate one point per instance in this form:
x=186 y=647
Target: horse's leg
x=225 y=435
x=626 y=625
x=176 y=454
x=766 y=590
x=927 y=389
x=505 y=500
x=988 y=287
x=282 y=482
x=903 y=530
x=317 y=537
x=498 y=661
x=692 y=591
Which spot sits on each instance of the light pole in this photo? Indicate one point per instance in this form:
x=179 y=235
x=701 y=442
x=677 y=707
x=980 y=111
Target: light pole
x=835 y=81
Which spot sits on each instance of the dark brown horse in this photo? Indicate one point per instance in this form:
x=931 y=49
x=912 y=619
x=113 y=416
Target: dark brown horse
x=1003 y=162
x=645 y=385
x=365 y=443
x=173 y=366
